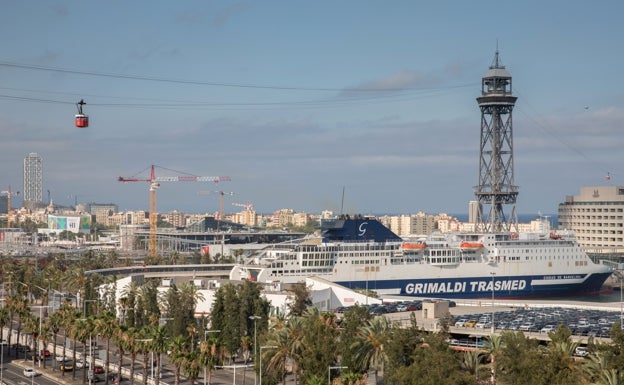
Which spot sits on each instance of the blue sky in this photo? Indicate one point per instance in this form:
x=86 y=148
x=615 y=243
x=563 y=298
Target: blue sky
x=296 y=101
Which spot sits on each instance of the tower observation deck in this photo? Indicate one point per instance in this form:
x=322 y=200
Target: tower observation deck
x=496 y=186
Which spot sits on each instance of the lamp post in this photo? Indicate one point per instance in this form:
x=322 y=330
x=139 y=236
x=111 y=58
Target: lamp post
x=329 y=372
x=264 y=347
x=206 y=339
x=255 y=318
x=493 y=327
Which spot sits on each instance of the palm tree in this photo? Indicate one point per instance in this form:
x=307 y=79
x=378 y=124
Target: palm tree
x=119 y=336
x=105 y=325
x=45 y=338
x=31 y=326
x=191 y=365
x=144 y=348
x=610 y=377
x=493 y=346
x=18 y=306
x=207 y=354
x=159 y=346
x=278 y=357
x=177 y=356
x=4 y=320
x=133 y=348
x=80 y=332
x=369 y=345
x=470 y=361
x=295 y=332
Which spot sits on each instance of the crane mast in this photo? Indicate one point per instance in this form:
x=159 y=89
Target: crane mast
x=154 y=182
x=221 y=214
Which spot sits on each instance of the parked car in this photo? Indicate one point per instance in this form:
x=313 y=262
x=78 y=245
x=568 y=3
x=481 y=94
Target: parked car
x=66 y=366
x=98 y=369
x=30 y=372
x=114 y=378
x=460 y=323
x=581 y=351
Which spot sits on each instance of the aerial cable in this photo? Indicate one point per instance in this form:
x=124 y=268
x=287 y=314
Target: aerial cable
x=191 y=82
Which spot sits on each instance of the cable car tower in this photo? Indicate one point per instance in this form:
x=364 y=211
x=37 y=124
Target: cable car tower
x=496 y=186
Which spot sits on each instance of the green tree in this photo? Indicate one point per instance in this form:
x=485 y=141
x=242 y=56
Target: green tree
x=226 y=316
x=319 y=344
x=519 y=362
x=301 y=300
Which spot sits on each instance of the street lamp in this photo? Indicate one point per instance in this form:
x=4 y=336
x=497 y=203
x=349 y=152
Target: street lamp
x=264 y=347
x=329 y=372
x=493 y=327
x=255 y=318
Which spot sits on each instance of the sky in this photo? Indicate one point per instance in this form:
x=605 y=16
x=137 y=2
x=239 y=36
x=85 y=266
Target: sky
x=351 y=106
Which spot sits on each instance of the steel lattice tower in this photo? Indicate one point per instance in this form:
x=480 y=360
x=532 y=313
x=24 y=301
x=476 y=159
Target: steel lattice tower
x=496 y=186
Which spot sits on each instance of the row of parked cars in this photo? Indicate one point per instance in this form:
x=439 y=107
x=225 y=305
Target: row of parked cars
x=581 y=322
x=392 y=307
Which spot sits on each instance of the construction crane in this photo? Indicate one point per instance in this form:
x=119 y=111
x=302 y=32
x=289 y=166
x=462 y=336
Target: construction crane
x=9 y=193
x=221 y=214
x=154 y=182
x=249 y=215
x=248 y=206
x=75 y=196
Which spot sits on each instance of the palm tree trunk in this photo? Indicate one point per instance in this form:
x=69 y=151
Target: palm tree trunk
x=84 y=362
x=177 y=375
x=144 y=368
x=106 y=364
x=132 y=362
x=74 y=357
x=120 y=363
x=157 y=379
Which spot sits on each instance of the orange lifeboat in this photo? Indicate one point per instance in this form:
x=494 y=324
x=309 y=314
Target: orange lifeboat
x=414 y=246
x=471 y=245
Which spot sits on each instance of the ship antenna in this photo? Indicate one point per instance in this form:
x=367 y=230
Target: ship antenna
x=342 y=202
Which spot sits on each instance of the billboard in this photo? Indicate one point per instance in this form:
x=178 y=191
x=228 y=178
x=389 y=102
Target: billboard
x=80 y=224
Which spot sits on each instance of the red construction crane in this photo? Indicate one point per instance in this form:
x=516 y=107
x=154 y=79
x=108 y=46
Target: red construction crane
x=154 y=180
x=9 y=193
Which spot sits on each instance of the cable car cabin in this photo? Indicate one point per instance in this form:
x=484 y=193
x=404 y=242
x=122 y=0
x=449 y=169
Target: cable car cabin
x=82 y=121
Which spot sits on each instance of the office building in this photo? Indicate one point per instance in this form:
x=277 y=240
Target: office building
x=32 y=191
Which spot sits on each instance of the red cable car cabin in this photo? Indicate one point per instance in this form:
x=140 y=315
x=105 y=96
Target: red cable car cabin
x=82 y=120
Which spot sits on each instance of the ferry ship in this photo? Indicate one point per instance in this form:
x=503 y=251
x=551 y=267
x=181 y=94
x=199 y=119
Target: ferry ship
x=361 y=253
